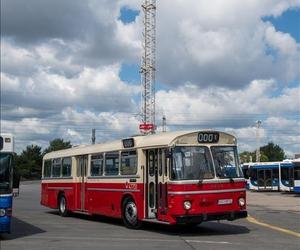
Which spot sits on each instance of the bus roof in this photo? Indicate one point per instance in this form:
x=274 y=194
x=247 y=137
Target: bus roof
x=148 y=141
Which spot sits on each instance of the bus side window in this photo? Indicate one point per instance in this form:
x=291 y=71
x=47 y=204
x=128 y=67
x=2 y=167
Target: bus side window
x=97 y=165
x=66 y=167
x=47 y=168
x=112 y=163
x=160 y=163
x=128 y=163
x=56 y=168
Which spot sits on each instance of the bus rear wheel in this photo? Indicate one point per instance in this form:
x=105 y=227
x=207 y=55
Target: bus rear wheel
x=130 y=214
x=62 y=206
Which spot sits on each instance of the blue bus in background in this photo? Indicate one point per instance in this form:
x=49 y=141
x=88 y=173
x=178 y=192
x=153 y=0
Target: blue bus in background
x=296 y=163
x=8 y=181
x=271 y=176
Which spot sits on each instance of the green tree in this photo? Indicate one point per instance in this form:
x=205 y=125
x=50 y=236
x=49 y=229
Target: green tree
x=29 y=162
x=273 y=152
x=57 y=144
x=245 y=156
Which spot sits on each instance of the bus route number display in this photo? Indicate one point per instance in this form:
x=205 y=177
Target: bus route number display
x=128 y=143
x=208 y=137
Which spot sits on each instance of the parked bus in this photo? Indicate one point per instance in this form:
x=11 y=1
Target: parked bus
x=168 y=178
x=6 y=181
x=271 y=176
x=296 y=164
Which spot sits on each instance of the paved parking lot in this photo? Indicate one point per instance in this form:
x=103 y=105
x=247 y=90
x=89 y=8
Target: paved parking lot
x=36 y=227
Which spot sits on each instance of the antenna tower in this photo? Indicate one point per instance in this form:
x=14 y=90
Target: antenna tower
x=147 y=125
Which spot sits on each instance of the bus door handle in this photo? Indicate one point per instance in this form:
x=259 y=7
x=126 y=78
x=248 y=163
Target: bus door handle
x=132 y=180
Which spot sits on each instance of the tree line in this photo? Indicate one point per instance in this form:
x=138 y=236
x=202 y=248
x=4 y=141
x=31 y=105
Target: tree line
x=29 y=162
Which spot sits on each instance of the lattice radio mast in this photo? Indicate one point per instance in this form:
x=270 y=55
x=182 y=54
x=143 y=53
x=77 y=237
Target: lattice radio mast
x=147 y=125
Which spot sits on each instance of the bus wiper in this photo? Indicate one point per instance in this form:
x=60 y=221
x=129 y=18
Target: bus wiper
x=231 y=179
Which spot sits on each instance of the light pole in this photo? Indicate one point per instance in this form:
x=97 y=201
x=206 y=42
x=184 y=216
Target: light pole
x=258 y=124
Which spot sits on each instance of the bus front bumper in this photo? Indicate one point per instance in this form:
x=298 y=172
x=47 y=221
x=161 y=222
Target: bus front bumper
x=4 y=227
x=211 y=217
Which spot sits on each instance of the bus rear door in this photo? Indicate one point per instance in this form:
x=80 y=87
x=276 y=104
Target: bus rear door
x=82 y=163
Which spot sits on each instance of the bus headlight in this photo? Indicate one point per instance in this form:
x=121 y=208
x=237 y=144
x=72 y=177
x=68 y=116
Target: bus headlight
x=242 y=202
x=2 y=212
x=187 y=205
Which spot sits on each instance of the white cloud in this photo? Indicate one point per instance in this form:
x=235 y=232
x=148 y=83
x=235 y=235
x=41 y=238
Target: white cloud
x=224 y=66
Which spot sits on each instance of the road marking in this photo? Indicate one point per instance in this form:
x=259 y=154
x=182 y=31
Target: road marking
x=125 y=239
x=283 y=230
x=208 y=241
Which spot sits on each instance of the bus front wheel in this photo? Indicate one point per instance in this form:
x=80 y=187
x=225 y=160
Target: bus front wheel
x=130 y=214
x=62 y=206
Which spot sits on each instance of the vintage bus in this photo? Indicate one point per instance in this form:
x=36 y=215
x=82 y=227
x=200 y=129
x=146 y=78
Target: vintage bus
x=271 y=176
x=296 y=164
x=168 y=178
x=8 y=181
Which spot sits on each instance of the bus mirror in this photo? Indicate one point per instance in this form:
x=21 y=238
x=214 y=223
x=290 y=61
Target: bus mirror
x=16 y=181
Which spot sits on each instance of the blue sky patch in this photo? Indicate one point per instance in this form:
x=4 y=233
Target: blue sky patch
x=128 y=15
x=288 y=22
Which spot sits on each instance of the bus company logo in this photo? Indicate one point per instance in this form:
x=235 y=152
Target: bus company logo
x=131 y=185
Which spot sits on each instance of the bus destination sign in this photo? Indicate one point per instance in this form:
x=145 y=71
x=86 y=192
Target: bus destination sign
x=128 y=143
x=208 y=137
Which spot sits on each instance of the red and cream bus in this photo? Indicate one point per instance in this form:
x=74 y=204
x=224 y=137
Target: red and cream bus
x=169 y=178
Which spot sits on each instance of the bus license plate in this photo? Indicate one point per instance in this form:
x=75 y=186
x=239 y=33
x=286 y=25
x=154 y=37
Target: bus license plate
x=224 y=201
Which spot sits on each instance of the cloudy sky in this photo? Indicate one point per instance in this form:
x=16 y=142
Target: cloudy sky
x=68 y=66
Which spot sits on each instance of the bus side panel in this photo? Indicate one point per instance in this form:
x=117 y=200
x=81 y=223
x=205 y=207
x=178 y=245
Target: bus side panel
x=105 y=199
x=51 y=191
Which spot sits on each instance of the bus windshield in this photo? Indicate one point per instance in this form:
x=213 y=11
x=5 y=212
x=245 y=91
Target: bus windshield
x=226 y=162
x=192 y=163
x=5 y=173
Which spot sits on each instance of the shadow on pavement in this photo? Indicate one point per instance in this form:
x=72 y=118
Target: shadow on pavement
x=205 y=229
x=21 y=229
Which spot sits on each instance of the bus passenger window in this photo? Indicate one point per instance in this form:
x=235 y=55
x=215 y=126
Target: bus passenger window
x=112 y=163
x=66 y=167
x=47 y=168
x=56 y=168
x=160 y=167
x=128 y=163
x=97 y=165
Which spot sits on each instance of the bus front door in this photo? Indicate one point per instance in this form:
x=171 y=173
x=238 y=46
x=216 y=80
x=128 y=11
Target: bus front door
x=265 y=179
x=82 y=163
x=151 y=183
x=156 y=187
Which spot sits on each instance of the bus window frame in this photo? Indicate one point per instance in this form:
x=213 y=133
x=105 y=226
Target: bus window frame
x=103 y=164
x=44 y=168
x=136 y=162
x=105 y=158
x=53 y=165
x=62 y=167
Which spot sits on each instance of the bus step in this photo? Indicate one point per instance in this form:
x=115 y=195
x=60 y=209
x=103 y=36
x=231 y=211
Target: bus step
x=156 y=221
x=82 y=212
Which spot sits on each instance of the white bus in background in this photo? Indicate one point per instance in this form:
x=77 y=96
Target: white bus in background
x=296 y=164
x=271 y=176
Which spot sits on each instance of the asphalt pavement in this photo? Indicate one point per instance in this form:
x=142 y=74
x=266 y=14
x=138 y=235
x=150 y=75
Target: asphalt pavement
x=276 y=225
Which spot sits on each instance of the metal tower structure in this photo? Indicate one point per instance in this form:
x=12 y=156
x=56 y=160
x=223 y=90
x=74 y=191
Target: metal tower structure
x=147 y=125
x=258 y=123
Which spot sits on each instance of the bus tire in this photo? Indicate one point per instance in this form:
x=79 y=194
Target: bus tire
x=62 y=206
x=130 y=214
